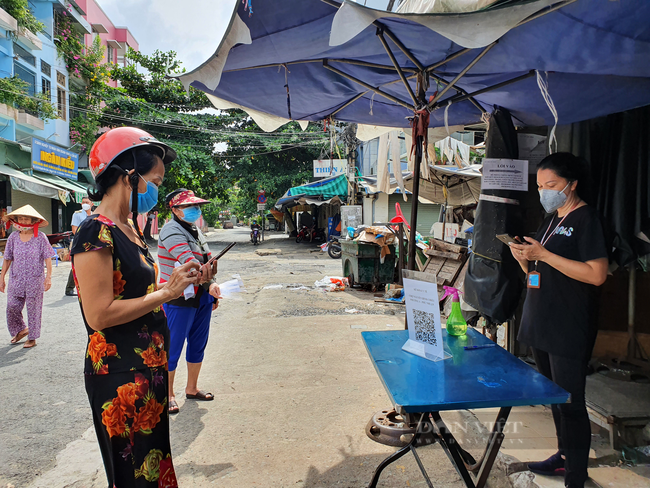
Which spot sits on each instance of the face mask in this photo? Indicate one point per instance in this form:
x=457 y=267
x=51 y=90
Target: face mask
x=148 y=199
x=86 y=206
x=191 y=214
x=23 y=227
x=551 y=200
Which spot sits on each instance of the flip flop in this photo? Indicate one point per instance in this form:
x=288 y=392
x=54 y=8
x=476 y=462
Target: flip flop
x=201 y=396
x=173 y=407
x=19 y=336
x=29 y=344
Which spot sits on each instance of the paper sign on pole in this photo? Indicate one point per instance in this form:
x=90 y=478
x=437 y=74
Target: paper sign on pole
x=505 y=174
x=261 y=206
x=423 y=315
x=533 y=148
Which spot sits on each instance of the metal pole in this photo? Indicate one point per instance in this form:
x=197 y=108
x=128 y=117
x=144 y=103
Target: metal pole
x=419 y=140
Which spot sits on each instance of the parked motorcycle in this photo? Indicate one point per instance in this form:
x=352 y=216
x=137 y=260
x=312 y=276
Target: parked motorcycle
x=334 y=247
x=310 y=234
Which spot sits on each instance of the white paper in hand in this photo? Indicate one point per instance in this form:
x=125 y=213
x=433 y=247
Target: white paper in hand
x=189 y=291
x=228 y=288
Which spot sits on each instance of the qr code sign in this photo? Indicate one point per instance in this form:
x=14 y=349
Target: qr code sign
x=425 y=329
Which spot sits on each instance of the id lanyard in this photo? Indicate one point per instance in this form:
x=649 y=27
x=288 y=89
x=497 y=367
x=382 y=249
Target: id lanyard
x=534 y=277
x=546 y=239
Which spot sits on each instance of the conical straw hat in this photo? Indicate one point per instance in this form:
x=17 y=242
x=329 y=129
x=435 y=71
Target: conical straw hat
x=27 y=211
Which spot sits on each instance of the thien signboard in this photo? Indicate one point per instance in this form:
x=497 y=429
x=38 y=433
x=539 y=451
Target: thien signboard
x=49 y=158
x=323 y=167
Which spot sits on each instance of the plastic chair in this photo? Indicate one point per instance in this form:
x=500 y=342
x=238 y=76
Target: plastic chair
x=56 y=256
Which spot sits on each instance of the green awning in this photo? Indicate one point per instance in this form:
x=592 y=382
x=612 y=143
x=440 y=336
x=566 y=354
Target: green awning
x=336 y=186
x=79 y=190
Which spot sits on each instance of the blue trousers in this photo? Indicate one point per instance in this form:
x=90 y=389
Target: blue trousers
x=191 y=324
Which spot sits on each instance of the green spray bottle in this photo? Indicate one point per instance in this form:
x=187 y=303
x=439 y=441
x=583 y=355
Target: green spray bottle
x=456 y=324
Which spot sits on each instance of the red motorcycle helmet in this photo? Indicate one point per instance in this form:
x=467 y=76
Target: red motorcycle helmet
x=116 y=141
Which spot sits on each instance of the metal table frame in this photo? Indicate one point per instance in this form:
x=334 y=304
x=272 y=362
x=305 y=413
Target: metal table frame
x=420 y=389
x=432 y=428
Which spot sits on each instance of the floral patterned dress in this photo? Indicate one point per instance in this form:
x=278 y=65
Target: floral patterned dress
x=126 y=368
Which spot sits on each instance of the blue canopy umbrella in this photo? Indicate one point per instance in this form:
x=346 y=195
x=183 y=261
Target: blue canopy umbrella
x=545 y=61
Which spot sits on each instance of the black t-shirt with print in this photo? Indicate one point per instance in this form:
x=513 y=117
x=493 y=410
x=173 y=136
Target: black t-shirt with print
x=560 y=317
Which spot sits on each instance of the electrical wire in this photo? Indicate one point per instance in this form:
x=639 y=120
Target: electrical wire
x=269 y=135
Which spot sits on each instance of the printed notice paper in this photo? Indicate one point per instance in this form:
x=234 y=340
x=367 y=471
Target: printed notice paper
x=423 y=314
x=505 y=174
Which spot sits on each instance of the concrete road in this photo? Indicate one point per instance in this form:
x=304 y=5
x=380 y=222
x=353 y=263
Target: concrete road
x=293 y=387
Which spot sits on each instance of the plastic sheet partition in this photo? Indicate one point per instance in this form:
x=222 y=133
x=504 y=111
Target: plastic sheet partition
x=480 y=378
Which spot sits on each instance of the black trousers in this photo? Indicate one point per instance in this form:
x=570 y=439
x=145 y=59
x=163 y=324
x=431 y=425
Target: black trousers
x=70 y=286
x=571 y=419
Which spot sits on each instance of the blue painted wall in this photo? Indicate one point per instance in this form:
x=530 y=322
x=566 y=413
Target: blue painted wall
x=57 y=130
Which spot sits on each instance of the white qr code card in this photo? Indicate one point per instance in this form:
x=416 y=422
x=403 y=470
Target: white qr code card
x=423 y=316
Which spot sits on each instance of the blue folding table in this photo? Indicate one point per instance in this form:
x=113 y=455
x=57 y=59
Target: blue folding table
x=480 y=378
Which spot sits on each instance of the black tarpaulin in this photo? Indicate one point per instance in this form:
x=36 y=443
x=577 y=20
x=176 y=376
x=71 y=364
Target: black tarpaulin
x=493 y=283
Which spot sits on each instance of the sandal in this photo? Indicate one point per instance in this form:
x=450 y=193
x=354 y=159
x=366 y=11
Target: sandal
x=19 y=336
x=200 y=395
x=30 y=343
x=173 y=407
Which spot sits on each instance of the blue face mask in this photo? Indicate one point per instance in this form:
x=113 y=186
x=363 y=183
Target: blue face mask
x=148 y=199
x=191 y=214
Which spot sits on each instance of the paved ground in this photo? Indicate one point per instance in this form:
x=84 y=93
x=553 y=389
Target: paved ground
x=293 y=384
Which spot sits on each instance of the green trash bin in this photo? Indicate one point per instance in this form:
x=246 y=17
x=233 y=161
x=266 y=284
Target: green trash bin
x=362 y=264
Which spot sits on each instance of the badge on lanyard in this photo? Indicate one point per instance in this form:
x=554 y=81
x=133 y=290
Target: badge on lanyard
x=534 y=280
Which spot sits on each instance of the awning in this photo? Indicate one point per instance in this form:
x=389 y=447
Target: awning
x=335 y=186
x=79 y=190
x=29 y=184
x=450 y=185
x=304 y=200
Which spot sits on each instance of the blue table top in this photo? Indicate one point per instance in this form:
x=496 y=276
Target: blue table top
x=479 y=378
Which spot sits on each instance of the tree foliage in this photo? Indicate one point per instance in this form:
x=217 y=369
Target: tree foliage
x=217 y=152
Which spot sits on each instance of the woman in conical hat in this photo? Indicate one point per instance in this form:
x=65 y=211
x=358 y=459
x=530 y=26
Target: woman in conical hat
x=26 y=251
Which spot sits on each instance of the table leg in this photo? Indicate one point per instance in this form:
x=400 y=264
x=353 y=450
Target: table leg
x=405 y=450
x=460 y=458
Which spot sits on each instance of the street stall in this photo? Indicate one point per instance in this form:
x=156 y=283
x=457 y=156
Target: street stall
x=518 y=63
x=321 y=200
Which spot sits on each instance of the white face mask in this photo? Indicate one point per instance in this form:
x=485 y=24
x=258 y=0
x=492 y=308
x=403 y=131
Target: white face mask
x=551 y=200
x=86 y=206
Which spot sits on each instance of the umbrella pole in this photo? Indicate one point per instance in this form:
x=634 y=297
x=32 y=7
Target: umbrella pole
x=414 y=206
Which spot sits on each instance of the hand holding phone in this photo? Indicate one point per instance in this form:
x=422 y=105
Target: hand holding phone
x=507 y=239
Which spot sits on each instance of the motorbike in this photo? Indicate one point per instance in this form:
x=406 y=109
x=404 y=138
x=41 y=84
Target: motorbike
x=334 y=247
x=255 y=237
x=310 y=234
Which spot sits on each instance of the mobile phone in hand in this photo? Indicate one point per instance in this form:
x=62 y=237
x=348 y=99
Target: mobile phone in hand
x=220 y=255
x=507 y=239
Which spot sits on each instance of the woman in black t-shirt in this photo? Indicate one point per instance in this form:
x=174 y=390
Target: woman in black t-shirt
x=565 y=264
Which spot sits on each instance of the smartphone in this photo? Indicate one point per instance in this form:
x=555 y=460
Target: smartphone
x=218 y=256
x=507 y=239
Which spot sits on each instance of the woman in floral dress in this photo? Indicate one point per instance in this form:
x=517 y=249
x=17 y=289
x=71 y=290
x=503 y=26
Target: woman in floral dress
x=27 y=251
x=128 y=338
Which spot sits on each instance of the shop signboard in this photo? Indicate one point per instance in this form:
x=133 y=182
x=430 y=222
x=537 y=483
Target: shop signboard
x=325 y=167
x=52 y=159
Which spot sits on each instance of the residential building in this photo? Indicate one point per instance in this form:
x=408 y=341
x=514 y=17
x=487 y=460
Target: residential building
x=116 y=40
x=381 y=207
x=33 y=58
